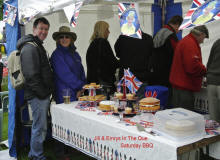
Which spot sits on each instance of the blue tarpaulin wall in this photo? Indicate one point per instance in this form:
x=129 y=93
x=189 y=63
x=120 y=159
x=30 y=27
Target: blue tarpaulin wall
x=13 y=34
x=172 y=9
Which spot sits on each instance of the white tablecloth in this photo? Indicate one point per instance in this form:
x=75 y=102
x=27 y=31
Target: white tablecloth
x=103 y=137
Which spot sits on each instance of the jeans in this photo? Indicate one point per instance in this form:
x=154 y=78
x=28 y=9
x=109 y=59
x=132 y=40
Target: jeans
x=39 y=109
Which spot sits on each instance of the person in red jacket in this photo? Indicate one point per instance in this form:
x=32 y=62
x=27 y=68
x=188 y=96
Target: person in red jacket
x=187 y=70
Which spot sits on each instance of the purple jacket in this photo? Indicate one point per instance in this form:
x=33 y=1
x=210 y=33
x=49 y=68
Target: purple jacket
x=68 y=72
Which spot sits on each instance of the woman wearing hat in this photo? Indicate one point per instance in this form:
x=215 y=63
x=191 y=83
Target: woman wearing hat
x=100 y=59
x=66 y=63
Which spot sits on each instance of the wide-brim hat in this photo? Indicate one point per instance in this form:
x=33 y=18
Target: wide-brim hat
x=64 y=30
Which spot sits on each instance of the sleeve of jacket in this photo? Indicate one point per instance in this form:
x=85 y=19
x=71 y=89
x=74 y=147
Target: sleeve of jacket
x=92 y=75
x=192 y=61
x=63 y=72
x=108 y=54
x=83 y=75
x=30 y=63
x=212 y=52
x=117 y=47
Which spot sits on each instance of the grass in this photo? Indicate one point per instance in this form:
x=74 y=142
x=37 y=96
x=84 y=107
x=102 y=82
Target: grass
x=5 y=126
x=4 y=85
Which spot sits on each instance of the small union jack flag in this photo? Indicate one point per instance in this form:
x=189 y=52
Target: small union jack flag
x=131 y=81
x=129 y=27
x=120 y=84
x=201 y=12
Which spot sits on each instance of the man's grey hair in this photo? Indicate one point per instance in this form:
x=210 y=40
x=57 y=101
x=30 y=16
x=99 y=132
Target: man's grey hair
x=198 y=30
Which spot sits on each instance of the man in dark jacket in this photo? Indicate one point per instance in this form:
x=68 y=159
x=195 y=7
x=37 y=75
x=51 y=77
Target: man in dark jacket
x=165 y=42
x=38 y=83
x=213 y=81
x=134 y=53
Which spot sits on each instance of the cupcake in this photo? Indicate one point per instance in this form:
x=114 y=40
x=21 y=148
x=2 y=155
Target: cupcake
x=119 y=95
x=130 y=96
x=128 y=110
x=115 y=109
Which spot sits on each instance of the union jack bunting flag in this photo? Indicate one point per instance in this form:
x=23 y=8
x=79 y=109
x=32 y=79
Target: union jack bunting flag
x=72 y=12
x=132 y=83
x=129 y=22
x=76 y=13
x=27 y=14
x=10 y=14
x=201 y=12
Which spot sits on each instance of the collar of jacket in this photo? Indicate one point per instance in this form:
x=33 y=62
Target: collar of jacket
x=170 y=28
x=194 y=39
x=36 y=39
x=71 y=48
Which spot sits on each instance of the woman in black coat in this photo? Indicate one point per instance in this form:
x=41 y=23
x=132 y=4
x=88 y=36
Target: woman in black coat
x=100 y=59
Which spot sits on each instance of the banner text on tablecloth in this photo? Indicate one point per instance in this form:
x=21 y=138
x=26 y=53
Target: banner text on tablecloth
x=125 y=141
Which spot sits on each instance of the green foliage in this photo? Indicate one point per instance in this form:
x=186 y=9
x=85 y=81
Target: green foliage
x=5 y=126
x=4 y=84
x=1 y=10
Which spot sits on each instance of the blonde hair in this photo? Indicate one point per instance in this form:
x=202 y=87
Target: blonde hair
x=99 y=30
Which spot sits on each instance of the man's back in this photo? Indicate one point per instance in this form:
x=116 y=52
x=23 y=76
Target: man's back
x=134 y=54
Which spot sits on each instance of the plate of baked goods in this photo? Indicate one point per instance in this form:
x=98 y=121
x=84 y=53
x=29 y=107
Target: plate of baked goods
x=106 y=106
x=149 y=104
x=92 y=98
x=127 y=112
x=92 y=86
x=129 y=96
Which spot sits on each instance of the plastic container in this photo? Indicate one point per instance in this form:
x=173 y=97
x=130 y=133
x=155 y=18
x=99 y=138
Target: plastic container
x=179 y=124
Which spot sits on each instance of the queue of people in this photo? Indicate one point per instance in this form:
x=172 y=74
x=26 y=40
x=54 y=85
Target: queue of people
x=159 y=60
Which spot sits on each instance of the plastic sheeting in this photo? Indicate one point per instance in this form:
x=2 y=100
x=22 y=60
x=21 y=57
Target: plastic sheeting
x=11 y=40
x=28 y=7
